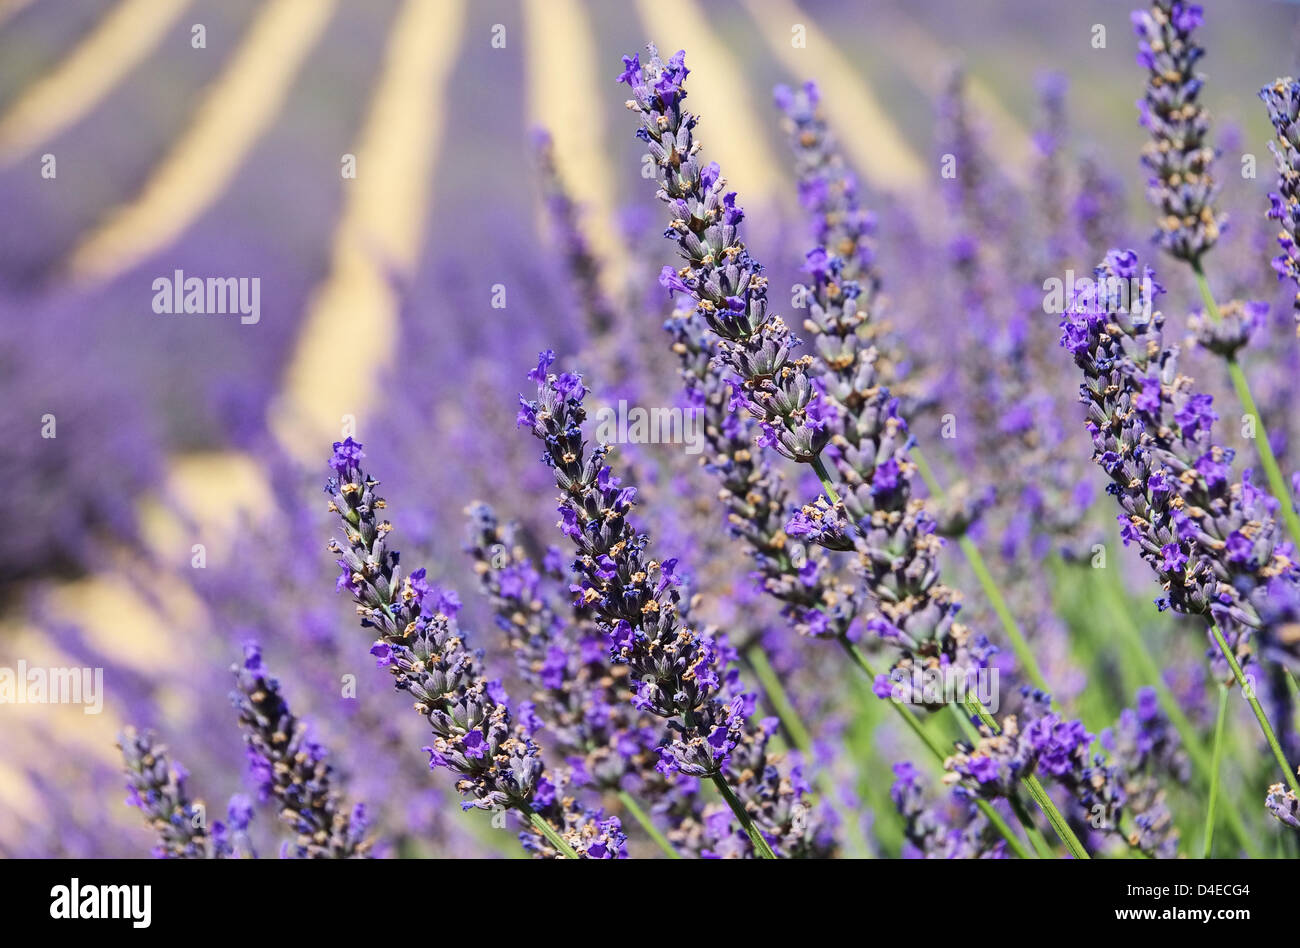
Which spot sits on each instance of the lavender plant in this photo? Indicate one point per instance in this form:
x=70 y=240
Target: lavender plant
x=1214 y=544
x=1282 y=99
x=678 y=673
x=1178 y=156
x=631 y=670
x=892 y=534
x=1183 y=188
x=158 y=789
x=293 y=769
x=499 y=767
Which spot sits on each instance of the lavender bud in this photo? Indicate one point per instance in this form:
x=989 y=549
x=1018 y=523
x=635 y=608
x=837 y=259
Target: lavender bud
x=474 y=735
x=1283 y=101
x=294 y=769
x=158 y=790
x=1180 y=161
x=1215 y=545
x=1282 y=803
x=1238 y=322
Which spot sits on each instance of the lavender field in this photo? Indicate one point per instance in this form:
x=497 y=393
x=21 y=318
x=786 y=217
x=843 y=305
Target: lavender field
x=810 y=429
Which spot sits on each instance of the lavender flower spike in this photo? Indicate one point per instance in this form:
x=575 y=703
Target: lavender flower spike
x=828 y=191
x=1178 y=157
x=293 y=769
x=575 y=692
x=1215 y=545
x=675 y=669
x=878 y=516
x=816 y=602
x=727 y=284
x=475 y=737
x=1283 y=101
x=157 y=789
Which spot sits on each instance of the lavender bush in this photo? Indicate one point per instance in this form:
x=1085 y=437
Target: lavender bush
x=975 y=556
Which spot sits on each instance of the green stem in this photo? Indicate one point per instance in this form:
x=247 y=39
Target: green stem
x=1276 y=482
x=903 y=710
x=1043 y=850
x=549 y=832
x=1019 y=645
x=1059 y=823
x=1136 y=652
x=1294 y=691
x=760 y=844
x=793 y=724
x=1249 y=692
x=828 y=485
x=963 y=721
x=640 y=815
x=1214 y=783
x=990 y=812
x=995 y=818
x=781 y=703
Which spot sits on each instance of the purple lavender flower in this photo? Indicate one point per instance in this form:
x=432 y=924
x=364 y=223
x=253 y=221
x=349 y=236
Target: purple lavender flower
x=231 y=838
x=1214 y=545
x=1179 y=158
x=727 y=284
x=1281 y=802
x=577 y=696
x=475 y=736
x=841 y=227
x=951 y=828
x=157 y=788
x=1039 y=741
x=1283 y=101
x=1146 y=750
x=756 y=496
x=674 y=669
x=893 y=534
x=677 y=672
x=293 y=769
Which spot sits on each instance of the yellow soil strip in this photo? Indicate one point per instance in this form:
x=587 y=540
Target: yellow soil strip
x=915 y=53
x=236 y=111
x=350 y=331
x=734 y=129
x=9 y=7
x=568 y=88
x=864 y=128
x=381 y=229
x=125 y=36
